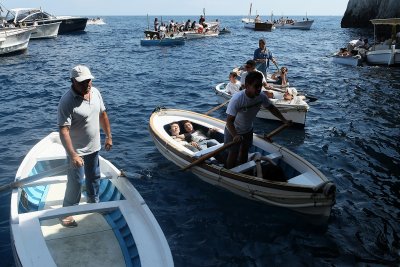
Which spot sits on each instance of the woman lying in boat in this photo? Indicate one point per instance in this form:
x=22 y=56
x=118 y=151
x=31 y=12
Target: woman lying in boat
x=290 y=97
x=197 y=138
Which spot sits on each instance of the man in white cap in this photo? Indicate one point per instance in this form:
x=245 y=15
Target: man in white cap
x=81 y=112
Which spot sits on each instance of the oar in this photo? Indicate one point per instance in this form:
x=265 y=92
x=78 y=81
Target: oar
x=217 y=107
x=209 y=155
x=275 y=132
x=276 y=65
x=311 y=98
x=33 y=178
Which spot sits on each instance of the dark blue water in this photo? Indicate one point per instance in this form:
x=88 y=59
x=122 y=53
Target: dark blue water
x=351 y=135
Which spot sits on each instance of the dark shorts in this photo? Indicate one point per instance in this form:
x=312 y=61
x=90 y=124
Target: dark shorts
x=247 y=140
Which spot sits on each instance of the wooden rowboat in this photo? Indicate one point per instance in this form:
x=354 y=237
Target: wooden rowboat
x=305 y=189
x=118 y=231
x=296 y=113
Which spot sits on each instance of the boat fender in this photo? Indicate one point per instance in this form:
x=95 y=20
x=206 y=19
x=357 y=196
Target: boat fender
x=329 y=189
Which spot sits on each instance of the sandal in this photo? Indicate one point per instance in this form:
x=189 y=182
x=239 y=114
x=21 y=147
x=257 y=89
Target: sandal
x=68 y=222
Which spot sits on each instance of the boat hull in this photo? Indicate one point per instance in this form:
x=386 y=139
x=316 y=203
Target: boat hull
x=121 y=226
x=258 y=26
x=350 y=61
x=71 y=24
x=383 y=57
x=163 y=42
x=296 y=113
x=14 y=40
x=195 y=35
x=298 y=25
x=301 y=198
x=48 y=30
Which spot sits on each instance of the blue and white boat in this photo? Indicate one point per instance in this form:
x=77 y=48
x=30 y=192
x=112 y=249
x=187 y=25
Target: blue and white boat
x=152 y=38
x=118 y=231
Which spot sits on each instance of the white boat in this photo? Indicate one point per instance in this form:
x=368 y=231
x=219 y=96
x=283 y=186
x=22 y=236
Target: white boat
x=14 y=39
x=305 y=189
x=347 y=60
x=256 y=23
x=295 y=113
x=384 y=54
x=118 y=231
x=197 y=35
x=293 y=24
x=32 y=16
x=96 y=21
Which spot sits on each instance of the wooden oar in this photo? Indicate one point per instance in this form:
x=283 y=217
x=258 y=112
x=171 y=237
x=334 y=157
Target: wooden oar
x=209 y=155
x=275 y=132
x=217 y=107
x=30 y=179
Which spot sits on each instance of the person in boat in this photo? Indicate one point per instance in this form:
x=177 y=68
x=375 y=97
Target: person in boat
x=280 y=77
x=262 y=56
x=250 y=66
x=234 y=85
x=257 y=19
x=290 y=97
x=175 y=131
x=202 y=20
x=197 y=138
x=241 y=112
x=81 y=112
x=187 y=25
x=193 y=26
x=343 y=52
x=156 y=23
x=171 y=26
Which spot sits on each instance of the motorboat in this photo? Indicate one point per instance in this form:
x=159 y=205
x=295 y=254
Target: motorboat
x=387 y=53
x=96 y=21
x=303 y=187
x=297 y=113
x=14 y=40
x=256 y=23
x=287 y=23
x=152 y=38
x=32 y=16
x=120 y=230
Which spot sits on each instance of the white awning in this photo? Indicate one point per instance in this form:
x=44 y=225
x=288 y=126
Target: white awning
x=392 y=21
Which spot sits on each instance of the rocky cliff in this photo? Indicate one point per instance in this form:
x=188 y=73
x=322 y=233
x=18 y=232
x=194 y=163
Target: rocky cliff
x=359 y=12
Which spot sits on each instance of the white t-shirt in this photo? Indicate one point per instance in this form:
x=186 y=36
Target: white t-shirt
x=232 y=88
x=245 y=109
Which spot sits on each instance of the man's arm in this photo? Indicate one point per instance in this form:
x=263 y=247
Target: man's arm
x=105 y=124
x=76 y=160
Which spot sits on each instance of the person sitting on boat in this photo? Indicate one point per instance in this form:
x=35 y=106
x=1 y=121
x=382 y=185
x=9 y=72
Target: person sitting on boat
x=290 y=97
x=280 y=77
x=257 y=19
x=200 y=29
x=262 y=56
x=234 y=85
x=187 y=25
x=343 y=52
x=197 y=138
x=241 y=112
x=355 y=43
x=193 y=27
x=171 y=26
x=250 y=66
x=180 y=138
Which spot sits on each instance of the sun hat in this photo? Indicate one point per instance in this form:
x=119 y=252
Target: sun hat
x=292 y=91
x=81 y=73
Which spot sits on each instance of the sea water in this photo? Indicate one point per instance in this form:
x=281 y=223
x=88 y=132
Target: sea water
x=351 y=135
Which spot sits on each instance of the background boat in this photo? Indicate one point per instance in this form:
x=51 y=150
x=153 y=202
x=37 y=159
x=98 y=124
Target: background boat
x=14 y=39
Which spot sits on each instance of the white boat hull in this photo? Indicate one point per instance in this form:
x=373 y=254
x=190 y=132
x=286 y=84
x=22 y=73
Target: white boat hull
x=291 y=194
x=49 y=30
x=296 y=113
x=195 y=35
x=351 y=60
x=121 y=227
x=383 y=57
x=14 y=39
x=299 y=25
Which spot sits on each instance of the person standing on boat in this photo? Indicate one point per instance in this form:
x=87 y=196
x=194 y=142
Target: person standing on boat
x=156 y=24
x=262 y=56
x=242 y=110
x=81 y=112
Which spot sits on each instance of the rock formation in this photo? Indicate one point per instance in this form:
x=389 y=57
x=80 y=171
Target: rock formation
x=359 y=12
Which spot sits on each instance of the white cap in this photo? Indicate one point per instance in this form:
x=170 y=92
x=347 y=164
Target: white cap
x=81 y=73
x=292 y=91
